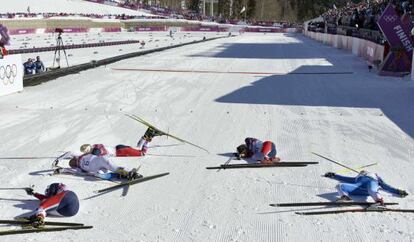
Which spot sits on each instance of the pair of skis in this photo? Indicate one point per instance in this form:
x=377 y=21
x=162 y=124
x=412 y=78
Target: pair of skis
x=136 y=118
x=368 y=207
x=260 y=165
x=49 y=227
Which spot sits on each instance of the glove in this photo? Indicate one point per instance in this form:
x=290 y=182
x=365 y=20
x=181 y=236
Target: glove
x=402 y=193
x=329 y=174
x=37 y=220
x=237 y=155
x=29 y=191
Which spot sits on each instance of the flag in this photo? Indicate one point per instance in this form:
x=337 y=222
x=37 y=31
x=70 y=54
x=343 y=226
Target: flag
x=28 y=9
x=243 y=9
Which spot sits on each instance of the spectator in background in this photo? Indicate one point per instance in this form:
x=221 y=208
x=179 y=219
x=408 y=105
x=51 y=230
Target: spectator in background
x=38 y=65
x=29 y=67
x=3 y=51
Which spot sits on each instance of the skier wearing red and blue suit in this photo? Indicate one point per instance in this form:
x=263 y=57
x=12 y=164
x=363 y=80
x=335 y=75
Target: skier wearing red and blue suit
x=57 y=201
x=264 y=152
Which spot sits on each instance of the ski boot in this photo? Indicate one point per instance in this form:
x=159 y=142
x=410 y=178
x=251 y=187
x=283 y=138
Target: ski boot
x=133 y=174
x=344 y=198
x=57 y=170
x=122 y=173
x=151 y=133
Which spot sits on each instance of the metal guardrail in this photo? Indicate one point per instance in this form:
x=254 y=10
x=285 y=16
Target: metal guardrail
x=36 y=79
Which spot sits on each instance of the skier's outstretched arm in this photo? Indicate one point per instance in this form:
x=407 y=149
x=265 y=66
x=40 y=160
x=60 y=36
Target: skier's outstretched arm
x=340 y=178
x=390 y=188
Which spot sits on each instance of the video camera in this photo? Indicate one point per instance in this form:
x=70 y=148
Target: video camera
x=59 y=31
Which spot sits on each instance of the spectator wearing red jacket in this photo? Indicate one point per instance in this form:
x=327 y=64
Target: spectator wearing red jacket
x=3 y=50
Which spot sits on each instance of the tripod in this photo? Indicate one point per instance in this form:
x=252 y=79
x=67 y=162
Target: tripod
x=59 y=47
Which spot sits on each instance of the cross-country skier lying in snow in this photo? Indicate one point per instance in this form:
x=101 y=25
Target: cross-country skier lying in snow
x=264 y=152
x=364 y=184
x=57 y=201
x=118 y=151
x=122 y=150
x=96 y=165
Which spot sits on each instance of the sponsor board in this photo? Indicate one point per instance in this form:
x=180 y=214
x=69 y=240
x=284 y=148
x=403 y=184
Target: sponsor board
x=397 y=34
x=11 y=74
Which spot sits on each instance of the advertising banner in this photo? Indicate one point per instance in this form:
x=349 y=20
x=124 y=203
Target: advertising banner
x=399 y=38
x=11 y=74
x=150 y=28
x=21 y=31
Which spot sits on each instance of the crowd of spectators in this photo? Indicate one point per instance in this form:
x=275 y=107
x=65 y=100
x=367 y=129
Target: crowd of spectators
x=359 y=19
x=95 y=16
x=365 y=14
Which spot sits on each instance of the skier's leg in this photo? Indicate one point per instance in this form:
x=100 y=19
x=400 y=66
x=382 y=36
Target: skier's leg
x=106 y=165
x=69 y=206
x=372 y=187
x=269 y=152
x=123 y=151
x=141 y=142
x=347 y=189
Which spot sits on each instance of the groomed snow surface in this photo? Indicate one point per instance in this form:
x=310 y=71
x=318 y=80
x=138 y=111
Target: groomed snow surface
x=152 y=40
x=357 y=118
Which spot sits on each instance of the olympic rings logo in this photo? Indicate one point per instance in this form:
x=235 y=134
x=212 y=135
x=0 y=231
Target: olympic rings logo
x=8 y=74
x=390 y=18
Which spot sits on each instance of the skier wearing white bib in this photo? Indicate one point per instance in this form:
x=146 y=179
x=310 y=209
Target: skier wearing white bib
x=99 y=166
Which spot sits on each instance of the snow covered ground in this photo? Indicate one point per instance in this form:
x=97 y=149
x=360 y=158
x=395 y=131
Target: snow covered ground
x=64 y=6
x=319 y=99
x=83 y=55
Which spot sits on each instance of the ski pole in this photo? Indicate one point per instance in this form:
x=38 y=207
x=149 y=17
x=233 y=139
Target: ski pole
x=26 y=158
x=15 y=188
x=326 y=158
x=358 y=168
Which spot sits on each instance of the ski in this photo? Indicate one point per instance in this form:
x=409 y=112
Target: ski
x=26 y=222
x=358 y=210
x=136 y=118
x=277 y=163
x=42 y=229
x=128 y=183
x=326 y=204
x=257 y=165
